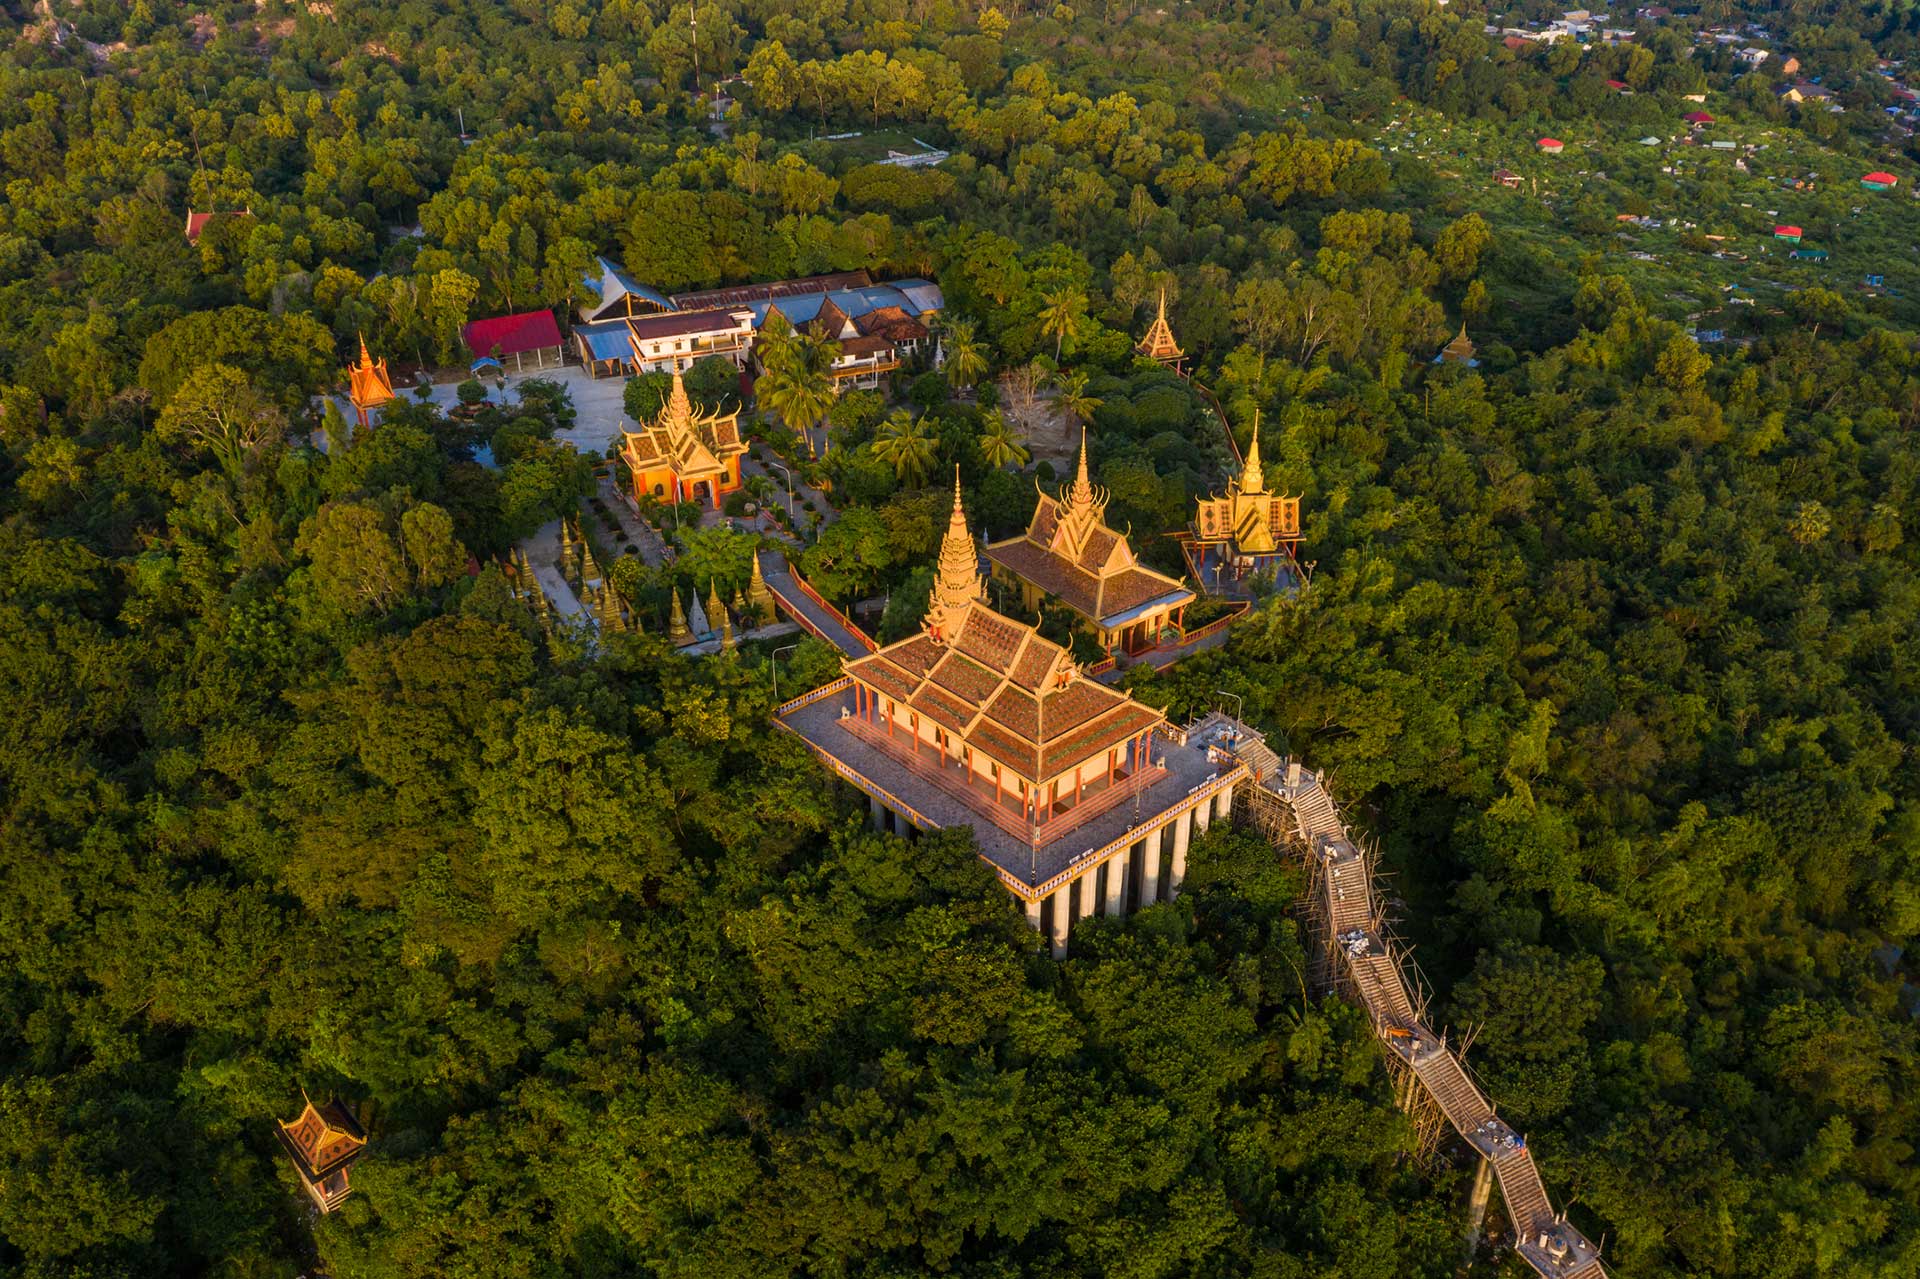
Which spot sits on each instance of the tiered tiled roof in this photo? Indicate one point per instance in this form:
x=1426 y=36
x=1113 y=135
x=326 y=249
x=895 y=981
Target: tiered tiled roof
x=1159 y=343
x=1072 y=555
x=694 y=445
x=368 y=386
x=1255 y=521
x=1010 y=693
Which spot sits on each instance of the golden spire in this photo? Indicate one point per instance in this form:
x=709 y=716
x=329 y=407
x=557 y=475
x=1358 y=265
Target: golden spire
x=678 y=633
x=1082 y=492
x=678 y=410
x=1253 y=478
x=1159 y=344
x=956 y=581
x=759 y=593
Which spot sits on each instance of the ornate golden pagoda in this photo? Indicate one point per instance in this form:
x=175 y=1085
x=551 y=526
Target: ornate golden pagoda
x=323 y=1143
x=1247 y=529
x=1159 y=345
x=683 y=451
x=368 y=386
x=679 y=634
x=759 y=594
x=1068 y=553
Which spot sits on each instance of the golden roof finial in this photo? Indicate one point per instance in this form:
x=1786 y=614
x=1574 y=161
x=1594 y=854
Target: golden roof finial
x=956 y=581
x=679 y=634
x=1253 y=479
x=678 y=410
x=1082 y=492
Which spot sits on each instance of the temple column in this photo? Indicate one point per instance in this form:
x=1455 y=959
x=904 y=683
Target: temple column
x=1062 y=921
x=879 y=812
x=1202 y=816
x=1182 y=833
x=1226 y=803
x=1150 y=870
x=1033 y=912
x=1089 y=884
x=1117 y=883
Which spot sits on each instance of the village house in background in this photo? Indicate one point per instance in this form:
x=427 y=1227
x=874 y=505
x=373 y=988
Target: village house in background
x=1082 y=798
x=685 y=455
x=1069 y=554
x=633 y=329
x=323 y=1143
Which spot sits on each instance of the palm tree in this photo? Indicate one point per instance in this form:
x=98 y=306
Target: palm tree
x=797 y=383
x=1074 y=400
x=966 y=355
x=1000 y=444
x=906 y=443
x=1063 y=316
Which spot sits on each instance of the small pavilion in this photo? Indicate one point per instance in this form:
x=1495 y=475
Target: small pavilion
x=1246 y=531
x=684 y=453
x=323 y=1143
x=1458 y=351
x=1068 y=553
x=1159 y=345
x=368 y=386
x=1077 y=794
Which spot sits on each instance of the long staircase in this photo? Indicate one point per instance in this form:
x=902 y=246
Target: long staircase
x=1548 y=1243
x=813 y=614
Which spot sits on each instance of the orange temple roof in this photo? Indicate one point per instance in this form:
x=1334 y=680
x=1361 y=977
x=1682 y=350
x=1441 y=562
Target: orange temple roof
x=368 y=386
x=691 y=444
x=1159 y=343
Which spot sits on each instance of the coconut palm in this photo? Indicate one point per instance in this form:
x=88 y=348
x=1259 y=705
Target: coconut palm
x=1064 y=315
x=1074 y=400
x=906 y=443
x=966 y=355
x=797 y=382
x=1000 y=443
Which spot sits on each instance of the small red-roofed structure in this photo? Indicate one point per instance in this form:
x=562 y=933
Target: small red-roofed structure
x=518 y=336
x=1879 y=180
x=1786 y=231
x=1698 y=118
x=1552 y=146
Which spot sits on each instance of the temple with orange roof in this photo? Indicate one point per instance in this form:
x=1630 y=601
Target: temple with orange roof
x=1069 y=554
x=1083 y=799
x=684 y=454
x=1244 y=532
x=323 y=1143
x=368 y=386
x=1159 y=345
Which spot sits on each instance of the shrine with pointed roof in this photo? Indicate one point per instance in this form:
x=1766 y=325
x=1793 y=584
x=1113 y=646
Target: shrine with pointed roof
x=323 y=1142
x=1245 y=531
x=684 y=454
x=368 y=385
x=1158 y=345
x=1070 y=554
x=1078 y=794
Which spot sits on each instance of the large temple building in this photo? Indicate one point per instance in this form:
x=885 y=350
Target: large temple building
x=685 y=455
x=1247 y=531
x=1069 y=554
x=1083 y=799
x=323 y=1143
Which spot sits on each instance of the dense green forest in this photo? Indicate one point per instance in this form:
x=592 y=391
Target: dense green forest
x=1612 y=643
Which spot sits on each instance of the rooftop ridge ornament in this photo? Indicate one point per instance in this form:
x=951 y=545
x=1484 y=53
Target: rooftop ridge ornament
x=1253 y=477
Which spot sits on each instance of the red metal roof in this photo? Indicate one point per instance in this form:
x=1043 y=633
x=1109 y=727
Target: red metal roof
x=1698 y=117
x=1550 y=144
x=1877 y=176
x=513 y=334
x=1785 y=229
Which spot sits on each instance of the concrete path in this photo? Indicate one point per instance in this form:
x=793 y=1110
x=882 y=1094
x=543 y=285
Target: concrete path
x=804 y=609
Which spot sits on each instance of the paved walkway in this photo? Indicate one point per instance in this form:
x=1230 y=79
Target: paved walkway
x=804 y=609
x=823 y=511
x=543 y=552
x=638 y=531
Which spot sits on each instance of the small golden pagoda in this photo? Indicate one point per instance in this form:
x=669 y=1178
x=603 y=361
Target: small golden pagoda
x=679 y=634
x=683 y=452
x=1068 y=553
x=1247 y=530
x=368 y=386
x=1458 y=351
x=1159 y=345
x=323 y=1143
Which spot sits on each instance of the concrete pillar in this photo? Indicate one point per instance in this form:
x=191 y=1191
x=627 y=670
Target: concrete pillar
x=1202 y=816
x=1150 y=870
x=1117 y=884
x=1033 y=913
x=1225 y=810
x=1062 y=920
x=1477 y=1207
x=878 y=812
x=1089 y=882
x=1182 y=836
